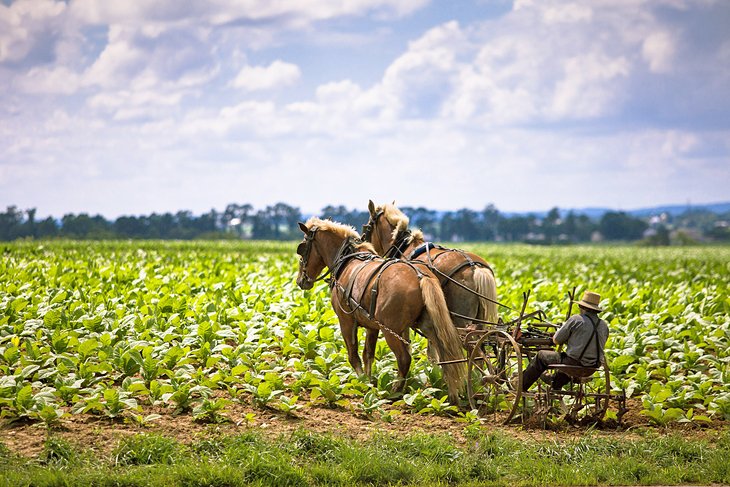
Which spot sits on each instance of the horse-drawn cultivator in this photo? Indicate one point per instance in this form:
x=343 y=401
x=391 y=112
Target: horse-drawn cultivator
x=497 y=356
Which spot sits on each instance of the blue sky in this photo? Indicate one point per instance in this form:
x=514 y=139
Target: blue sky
x=147 y=106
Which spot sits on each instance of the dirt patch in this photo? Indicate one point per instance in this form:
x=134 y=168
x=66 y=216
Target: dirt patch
x=102 y=435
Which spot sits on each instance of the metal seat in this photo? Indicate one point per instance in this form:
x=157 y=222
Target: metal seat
x=577 y=373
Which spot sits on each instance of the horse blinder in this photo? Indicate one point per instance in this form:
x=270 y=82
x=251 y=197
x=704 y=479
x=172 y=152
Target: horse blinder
x=300 y=248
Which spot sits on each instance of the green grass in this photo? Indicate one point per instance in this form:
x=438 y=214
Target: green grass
x=307 y=458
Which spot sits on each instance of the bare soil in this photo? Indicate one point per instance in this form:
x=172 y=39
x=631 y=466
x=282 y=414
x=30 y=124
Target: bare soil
x=101 y=435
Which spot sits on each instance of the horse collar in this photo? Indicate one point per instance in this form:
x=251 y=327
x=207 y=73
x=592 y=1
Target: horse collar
x=400 y=244
x=347 y=252
x=422 y=249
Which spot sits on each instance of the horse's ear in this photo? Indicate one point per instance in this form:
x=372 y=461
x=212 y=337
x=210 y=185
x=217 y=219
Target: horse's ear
x=303 y=227
x=393 y=202
x=371 y=207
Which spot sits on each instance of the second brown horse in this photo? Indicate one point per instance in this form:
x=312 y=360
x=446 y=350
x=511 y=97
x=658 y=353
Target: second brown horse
x=467 y=279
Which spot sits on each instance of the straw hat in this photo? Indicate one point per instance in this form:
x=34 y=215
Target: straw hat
x=591 y=300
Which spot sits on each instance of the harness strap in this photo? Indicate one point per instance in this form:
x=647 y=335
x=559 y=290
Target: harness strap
x=374 y=289
x=421 y=249
x=399 y=246
x=594 y=334
x=375 y=274
x=448 y=276
x=351 y=283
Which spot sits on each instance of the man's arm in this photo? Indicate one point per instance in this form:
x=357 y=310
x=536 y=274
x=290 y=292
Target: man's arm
x=561 y=336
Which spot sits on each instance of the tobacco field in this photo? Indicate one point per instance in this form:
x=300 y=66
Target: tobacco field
x=115 y=328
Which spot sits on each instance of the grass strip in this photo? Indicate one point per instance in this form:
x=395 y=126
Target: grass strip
x=307 y=458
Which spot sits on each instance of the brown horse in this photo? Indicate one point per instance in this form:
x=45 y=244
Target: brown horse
x=460 y=272
x=379 y=294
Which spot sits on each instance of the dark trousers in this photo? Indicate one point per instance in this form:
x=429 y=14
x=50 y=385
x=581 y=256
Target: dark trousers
x=539 y=364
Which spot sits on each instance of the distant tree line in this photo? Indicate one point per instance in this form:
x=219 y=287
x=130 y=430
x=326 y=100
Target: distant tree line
x=279 y=222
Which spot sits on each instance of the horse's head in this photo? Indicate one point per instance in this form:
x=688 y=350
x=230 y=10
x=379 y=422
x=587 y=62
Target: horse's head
x=380 y=230
x=325 y=244
x=311 y=262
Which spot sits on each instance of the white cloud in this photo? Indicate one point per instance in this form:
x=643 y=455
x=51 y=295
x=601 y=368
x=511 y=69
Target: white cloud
x=275 y=75
x=658 y=51
x=287 y=13
x=543 y=62
x=588 y=87
x=119 y=62
x=130 y=105
x=567 y=13
x=58 y=80
x=432 y=53
x=152 y=56
x=24 y=24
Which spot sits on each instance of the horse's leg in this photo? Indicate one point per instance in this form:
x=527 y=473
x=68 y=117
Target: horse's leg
x=348 y=327
x=426 y=328
x=368 y=352
x=402 y=356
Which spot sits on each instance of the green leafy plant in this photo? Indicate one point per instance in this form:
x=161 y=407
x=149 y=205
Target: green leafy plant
x=264 y=394
x=23 y=403
x=440 y=407
x=329 y=391
x=141 y=420
x=289 y=405
x=211 y=410
x=371 y=403
x=50 y=415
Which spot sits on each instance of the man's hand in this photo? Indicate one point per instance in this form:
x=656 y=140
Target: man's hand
x=560 y=345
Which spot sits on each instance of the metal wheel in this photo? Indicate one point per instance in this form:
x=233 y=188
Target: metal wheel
x=494 y=383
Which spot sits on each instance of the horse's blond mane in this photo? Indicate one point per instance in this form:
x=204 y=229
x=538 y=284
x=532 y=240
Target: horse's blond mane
x=365 y=247
x=341 y=230
x=399 y=221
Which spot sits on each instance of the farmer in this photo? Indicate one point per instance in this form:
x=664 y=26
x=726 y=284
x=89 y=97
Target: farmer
x=585 y=335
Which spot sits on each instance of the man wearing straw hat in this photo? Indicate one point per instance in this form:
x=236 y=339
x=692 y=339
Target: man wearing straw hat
x=584 y=335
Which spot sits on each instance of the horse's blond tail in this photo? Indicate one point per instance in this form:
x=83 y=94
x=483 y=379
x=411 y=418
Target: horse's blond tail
x=448 y=342
x=486 y=285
